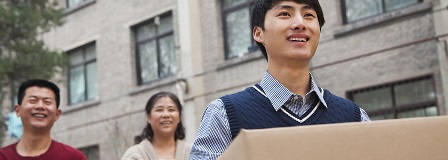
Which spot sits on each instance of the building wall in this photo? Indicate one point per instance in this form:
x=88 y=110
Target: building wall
x=374 y=51
x=112 y=121
x=359 y=57
x=391 y=47
x=441 y=29
x=225 y=76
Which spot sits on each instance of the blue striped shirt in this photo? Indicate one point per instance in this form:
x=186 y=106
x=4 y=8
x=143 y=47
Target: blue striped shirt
x=214 y=132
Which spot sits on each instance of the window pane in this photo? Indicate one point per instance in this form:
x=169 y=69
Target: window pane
x=359 y=9
x=414 y=92
x=381 y=117
x=148 y=61
x=231 y=3
x=395 y=4
x=92 y=153
x=146 y=31
x=423 y=112
x=238 y=33
x=74 y=3
x=77 y=85
x=431 y=111
x=166 y=24
x=92 y=85
x=374 y=99
x=167 y=56
x=90 y=53
x=76 y=57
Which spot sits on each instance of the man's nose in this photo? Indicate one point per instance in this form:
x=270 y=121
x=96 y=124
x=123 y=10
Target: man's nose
x=298 y=23
x=40 y=104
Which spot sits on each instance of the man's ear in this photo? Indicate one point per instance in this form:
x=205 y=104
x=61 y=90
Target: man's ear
x=17 y=109
x=58 y=114
x=258 y=34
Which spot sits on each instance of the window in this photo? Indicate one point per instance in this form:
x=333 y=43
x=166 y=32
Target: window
x=237 y=32
x=360 y=9
x=83 y=84
x=156 y=56
x=411 y=98
x=74 y=3
x=92 y=152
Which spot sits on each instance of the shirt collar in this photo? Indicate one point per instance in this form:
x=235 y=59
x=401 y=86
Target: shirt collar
x=279 y=94
x=319 y=92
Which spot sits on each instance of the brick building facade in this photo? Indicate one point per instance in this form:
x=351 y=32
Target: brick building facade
x=397 y=51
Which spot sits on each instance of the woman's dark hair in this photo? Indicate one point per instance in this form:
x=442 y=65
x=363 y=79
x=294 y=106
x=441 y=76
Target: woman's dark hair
x=38 y=83
x=261 y=7
x=180 y=130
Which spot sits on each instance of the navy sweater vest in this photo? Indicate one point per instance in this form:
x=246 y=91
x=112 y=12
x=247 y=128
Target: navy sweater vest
x=249 y=109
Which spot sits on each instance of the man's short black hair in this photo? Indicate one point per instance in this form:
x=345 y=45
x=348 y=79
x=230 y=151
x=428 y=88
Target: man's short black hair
x=38 y=83
x=261 y=7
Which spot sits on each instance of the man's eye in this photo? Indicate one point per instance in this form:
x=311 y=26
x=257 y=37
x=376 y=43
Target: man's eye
x=309 y=15
x=283 y=14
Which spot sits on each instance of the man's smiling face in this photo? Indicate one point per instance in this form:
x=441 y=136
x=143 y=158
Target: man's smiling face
x=38 y=109
x=291 y=32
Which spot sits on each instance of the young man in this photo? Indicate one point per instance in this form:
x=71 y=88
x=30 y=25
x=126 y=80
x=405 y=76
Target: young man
x=38 y=108
x=287 y=33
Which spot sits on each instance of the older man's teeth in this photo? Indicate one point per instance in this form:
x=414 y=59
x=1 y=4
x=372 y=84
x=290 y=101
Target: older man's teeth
x=298 y=39
x=39 y=115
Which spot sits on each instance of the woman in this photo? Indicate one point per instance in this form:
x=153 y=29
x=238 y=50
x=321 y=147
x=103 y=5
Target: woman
x=164 y=132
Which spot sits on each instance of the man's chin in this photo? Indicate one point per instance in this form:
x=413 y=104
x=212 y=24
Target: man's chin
x=41 y=126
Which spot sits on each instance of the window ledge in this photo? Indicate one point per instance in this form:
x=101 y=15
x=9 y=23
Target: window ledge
x=252 y=56
x=382 y=18
x=154 y=84
x=78 y=106
x=79 y=7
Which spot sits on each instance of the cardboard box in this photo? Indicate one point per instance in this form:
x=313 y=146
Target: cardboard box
x=400 y=139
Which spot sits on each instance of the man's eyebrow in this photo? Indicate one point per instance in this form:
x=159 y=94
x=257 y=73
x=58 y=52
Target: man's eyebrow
x=283 y=6
x=36 y=97
x=48 y=98
x=32 y=96
x=289 y=7
x=307 y=7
